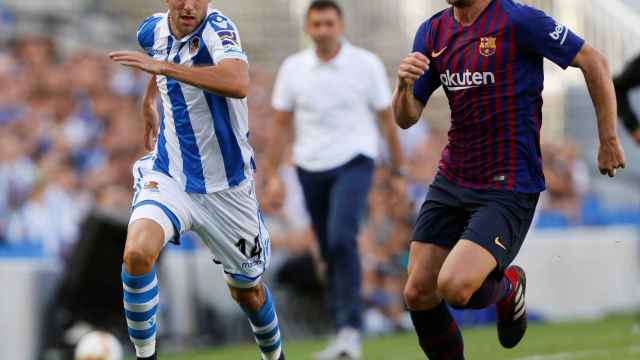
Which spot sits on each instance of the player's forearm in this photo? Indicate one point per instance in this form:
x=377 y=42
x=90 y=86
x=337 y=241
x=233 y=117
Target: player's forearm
x=225 y=79
x=150 y=95
x=406 y=109
x=391 y=135
x=598 y=78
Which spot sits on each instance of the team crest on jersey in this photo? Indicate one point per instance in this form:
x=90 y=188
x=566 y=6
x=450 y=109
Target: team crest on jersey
x=194 y=45
x=152 y=186
x=488 y=46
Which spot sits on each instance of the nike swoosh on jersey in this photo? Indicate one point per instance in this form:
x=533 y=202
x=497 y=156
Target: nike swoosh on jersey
x=497 y=242
x=436 y=54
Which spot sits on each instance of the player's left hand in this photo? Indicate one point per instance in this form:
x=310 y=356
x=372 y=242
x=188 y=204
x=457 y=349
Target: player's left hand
x=137 y=60
x=610 y=157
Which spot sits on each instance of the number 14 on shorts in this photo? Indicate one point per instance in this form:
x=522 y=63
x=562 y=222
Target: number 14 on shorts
x=255 y=252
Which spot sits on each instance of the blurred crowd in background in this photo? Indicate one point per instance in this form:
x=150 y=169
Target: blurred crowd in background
x=70 y=130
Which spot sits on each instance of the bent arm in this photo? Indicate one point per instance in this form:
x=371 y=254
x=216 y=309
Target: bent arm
x=229 y=78
x=406 y=108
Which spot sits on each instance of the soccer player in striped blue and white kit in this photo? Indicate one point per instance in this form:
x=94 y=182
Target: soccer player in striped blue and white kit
x=200 y=174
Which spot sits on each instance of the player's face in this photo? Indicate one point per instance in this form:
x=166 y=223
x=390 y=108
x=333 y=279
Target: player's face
x=325 y=27
x=186 y=15
x=461 y=3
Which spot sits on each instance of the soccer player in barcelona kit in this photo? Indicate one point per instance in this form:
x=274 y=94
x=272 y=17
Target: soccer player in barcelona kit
x=488 y=56
x=200 y=174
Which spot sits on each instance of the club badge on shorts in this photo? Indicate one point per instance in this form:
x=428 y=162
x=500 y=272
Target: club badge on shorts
x=152 y=186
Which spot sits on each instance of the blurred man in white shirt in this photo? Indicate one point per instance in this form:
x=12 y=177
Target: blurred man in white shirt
x=334 y=97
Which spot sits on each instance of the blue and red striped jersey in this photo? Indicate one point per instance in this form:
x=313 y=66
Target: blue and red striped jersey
x=492 y=74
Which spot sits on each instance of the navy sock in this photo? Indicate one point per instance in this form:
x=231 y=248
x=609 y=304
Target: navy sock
x=438 y=333
x=492 y=290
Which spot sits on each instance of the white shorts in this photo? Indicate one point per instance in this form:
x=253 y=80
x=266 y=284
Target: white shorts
x=229 y=222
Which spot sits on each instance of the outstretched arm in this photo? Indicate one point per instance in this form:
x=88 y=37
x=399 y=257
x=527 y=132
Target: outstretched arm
x=229 y=78
x=597 y=75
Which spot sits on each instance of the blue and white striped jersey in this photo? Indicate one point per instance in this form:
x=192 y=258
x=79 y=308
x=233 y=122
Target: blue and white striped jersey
x=203 y=138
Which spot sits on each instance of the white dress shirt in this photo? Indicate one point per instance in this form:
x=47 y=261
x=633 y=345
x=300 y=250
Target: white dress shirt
x=335 y=105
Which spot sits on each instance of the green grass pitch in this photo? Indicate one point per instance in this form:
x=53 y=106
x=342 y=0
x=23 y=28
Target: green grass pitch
x=615 y=338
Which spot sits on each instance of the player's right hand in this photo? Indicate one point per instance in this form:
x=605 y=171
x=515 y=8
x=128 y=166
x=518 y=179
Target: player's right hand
x=610 y=157
x=412 y=68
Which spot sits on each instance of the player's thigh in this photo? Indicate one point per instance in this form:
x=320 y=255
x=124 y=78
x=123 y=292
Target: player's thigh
x=439 y=223
x=501 y=225
x=229 y=222
x=425 y=261
x=464 y=271
x=491 y=240
x=158 y=215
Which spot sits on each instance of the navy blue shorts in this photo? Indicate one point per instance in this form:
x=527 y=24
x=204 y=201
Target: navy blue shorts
x=497 y=220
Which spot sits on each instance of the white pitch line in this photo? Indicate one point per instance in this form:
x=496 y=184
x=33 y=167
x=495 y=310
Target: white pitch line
x=578 y=354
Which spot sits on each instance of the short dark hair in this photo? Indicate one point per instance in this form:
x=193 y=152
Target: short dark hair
x=320 y=5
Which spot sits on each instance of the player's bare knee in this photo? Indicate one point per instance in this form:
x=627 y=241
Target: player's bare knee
x=456 y=290
x=137 y=261
x=142 y=248
x=249 y=299
x=419 y=297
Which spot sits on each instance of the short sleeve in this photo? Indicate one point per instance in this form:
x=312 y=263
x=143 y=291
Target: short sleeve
x=223 y=39
x=146 y=33
x=379 y=92
x=544 y=36
x=283 y=95
x=429 y=82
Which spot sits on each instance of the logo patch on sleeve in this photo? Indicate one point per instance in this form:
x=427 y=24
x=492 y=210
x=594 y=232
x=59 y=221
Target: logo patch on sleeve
x=228 y=38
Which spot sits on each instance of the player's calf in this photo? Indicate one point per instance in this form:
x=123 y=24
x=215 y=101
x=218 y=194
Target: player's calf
x=257 y=303
x=140 y=284
x=438 y=333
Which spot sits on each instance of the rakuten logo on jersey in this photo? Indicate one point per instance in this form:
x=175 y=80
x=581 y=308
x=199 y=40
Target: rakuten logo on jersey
x=466 y=80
